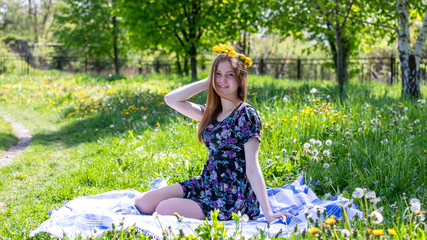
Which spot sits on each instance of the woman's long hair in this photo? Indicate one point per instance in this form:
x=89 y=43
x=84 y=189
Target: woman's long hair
x=213 y=103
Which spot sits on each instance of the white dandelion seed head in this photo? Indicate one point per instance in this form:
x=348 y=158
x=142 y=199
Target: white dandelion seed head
x=319 y=143
x=156 y=215
x=319 y=209
x=284 y=150
x=313 y=90
x=415 y=207
x=144 y=117
x=375 y=200
x=380 y=209
x=374 y=121
x=326 y=166
x=295 y=141
x=405 y=109
x=285 y=98
x=309 y=206
x=421 y=217
x=307 y=145
x=315 y=159
x=374 y=130
x=328 y=142
x=244 y=218
x=371 y=195
x=360 y=129
x=423 y=101
x=139 y=149
x=312 y=141
x=377 y=217
x=417 y=121
x=345 y=233
x=112 y=126
x=315 y=152
x=347 y=133
x=414 y=201
x=326 y=153
x=308 y=151
x=358 y=193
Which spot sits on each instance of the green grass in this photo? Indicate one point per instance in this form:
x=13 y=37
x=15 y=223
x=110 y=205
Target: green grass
x=7 y=138
x=92 y=135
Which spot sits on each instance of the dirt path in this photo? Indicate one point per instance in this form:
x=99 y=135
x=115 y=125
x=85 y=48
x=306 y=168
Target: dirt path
x=24 y=137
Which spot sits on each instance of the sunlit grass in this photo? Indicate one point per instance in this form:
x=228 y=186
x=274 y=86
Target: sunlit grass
x=7 y=137
x=92 y=135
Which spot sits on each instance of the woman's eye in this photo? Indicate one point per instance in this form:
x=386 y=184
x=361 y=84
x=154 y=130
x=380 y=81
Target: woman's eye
x=230 y=75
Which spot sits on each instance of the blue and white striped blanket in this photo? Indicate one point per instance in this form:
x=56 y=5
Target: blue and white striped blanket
x=92 y=215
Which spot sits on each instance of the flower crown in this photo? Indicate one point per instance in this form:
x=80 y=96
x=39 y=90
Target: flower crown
x=223 y=48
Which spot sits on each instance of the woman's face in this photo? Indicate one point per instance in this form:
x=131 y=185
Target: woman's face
x=225 y=83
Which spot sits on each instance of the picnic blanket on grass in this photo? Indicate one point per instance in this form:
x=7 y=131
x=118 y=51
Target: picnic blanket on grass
x=90 y=216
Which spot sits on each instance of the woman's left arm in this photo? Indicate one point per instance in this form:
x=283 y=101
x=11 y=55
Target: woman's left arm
x=256 y=179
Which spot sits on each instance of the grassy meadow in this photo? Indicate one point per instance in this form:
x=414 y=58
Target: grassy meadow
x=94 y=134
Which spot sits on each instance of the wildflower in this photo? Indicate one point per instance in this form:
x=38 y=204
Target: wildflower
x=392 y=232
x=358 y=193
x=319 y=209
x=423 y=101
x=283 y=150
x=312 y=141
x=285 y=98
x=156 y=215
x=385 y=141
x=314 y=158
x=330 y=221
x=308 y=151
x=309 y=206
x=294 y=152
x=315 y=152
x=415 y=207
x=375 y=200
x=374 y=121
x=318 y=143
x=414 y=201
x=295 y=141
x=139 y=149
x=244 y=218
x=371 y=195
x=326 y=166
x=112 y=126
x=378 y=232
x=377 y=217
x=131 y=228
x=374 y=130
x=144 y=117
x=360 y=129
x=405 y=109
x=421 y=217
x=313 y=90
x=345 y=233
x=326 y=153
x=416 y=121
x=313 y=230
x=328 y=142
x=307 y=145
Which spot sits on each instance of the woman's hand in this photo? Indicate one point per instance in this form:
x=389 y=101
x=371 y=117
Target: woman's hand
x=274 y=216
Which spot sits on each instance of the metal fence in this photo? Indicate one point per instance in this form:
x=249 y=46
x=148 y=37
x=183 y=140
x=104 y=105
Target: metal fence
x=383 y=69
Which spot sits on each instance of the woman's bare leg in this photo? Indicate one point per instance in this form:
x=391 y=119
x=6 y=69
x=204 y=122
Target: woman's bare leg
x=184 y=207
x=147 y=202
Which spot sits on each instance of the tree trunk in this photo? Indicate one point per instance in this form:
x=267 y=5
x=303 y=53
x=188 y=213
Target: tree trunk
x=409 y=62
x=178 y=65
x=115 y=46
x=193 y=59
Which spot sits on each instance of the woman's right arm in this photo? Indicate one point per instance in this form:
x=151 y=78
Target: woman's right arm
x=177 y=99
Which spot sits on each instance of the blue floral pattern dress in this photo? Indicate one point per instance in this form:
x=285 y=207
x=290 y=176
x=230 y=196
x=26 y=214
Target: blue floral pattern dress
x=223 y=184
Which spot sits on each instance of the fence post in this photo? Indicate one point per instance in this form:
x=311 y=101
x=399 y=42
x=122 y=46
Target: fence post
x=157 y=68
x=299 y=69
x=261 y=66
x=86 y=65
x=392 y=61
x=28 y=65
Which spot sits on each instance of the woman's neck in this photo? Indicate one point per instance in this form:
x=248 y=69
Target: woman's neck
x=228 y=105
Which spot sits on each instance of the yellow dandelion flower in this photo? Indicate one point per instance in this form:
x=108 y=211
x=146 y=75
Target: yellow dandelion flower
x=232 y=53
x=158 y=124
x=330 y=221
x=392 y=232
x=378 y=232
x=314 y=230
x=131 y=228
x=420 y=211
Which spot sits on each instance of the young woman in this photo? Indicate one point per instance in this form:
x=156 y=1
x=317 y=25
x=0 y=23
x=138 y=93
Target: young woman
x=231 y=180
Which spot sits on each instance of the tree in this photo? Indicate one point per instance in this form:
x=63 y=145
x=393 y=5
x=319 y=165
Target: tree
x=329 y=23
x=92 y=28
x=187 y=27
x=396 y=16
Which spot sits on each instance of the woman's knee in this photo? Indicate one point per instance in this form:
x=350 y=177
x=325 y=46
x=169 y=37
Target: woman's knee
x=144 y=204
x=165 y=207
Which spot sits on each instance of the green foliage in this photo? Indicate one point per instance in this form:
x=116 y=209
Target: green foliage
x=7 y=138
x=92 y=135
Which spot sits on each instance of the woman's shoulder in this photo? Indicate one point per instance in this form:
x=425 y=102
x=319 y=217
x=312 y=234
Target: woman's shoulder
x=248 y=111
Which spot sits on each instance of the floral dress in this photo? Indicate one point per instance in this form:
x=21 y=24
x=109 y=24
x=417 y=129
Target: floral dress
x=223 y=184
